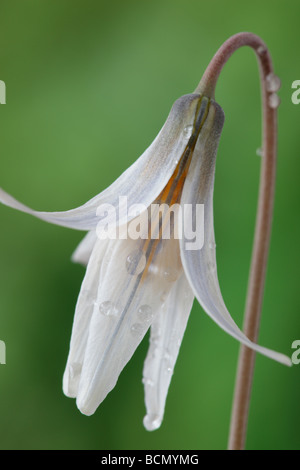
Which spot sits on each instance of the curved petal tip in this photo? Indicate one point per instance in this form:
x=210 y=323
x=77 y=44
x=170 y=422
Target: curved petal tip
x=152 y=422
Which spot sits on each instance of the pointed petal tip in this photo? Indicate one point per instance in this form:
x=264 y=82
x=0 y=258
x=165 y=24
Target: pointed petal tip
x=84 y=407
x=152 y=422
x=67 y=389
x=285 y=360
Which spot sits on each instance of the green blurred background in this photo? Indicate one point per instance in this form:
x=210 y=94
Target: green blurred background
x=89 y=85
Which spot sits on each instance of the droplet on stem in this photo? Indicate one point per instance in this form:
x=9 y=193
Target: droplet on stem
x=274 y=101
x=261 y=50
x=272 y=82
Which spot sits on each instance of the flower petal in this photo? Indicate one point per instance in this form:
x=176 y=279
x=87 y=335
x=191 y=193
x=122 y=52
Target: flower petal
x=83 y=251
x=167 y=332
x=141 y=183
x=127 y=302
x=200 y=265
x=82 y=318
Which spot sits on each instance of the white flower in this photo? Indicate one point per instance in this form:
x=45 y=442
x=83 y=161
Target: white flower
x=133 y=285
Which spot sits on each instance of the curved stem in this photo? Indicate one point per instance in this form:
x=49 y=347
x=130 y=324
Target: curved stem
x=269 y=84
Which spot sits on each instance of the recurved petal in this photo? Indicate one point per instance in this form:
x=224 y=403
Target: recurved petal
x=129 y=297
x=83 y=251
x=167 y=332
x=141 y=183
x=200 y=265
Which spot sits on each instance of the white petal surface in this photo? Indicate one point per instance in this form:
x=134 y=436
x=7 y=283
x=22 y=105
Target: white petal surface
x=200 y=265
x=167 y=332
x=124 y=307
x=141 y=183
x=83 y=251
x=83 y=314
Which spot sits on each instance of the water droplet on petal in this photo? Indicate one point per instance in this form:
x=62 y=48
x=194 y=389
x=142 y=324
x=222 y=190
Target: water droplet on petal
x=211 y=267
x=274 y=101
x=137 y=329
x=108 y=308
x=74 y=370
x=187 y=131
x=155 y=332
x=167 y=362
x=211 y=246
x=86 y=294
x=72 y=378
x=170 y=274
x=155 y=351
x=148 y=382
x=167 y=355
x=136 y=262
x=152 y=422
x=273 y=82
x=145 y=313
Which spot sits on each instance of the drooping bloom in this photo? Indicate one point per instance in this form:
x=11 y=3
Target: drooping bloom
x=133 y=284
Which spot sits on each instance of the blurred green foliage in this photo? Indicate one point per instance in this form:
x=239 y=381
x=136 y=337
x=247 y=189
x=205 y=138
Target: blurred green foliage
x=89 y=85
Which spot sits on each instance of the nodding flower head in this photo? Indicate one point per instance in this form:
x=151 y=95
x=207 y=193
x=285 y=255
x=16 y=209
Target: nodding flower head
x=147 y=281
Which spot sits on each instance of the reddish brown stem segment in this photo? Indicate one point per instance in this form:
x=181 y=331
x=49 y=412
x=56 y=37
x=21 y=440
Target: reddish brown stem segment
x=270 y=102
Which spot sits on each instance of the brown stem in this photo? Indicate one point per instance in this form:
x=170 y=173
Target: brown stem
x=270 y=102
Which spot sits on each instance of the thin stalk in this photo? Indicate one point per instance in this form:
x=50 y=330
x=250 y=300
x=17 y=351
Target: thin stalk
x=269 y=85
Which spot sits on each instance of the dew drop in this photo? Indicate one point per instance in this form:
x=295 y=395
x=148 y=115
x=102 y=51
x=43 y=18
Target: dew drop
x=187 y=131
x=71 y=381
x=148 y=382
x=167 y=366
x=108 y=308
x=145 y=313
x=155 y=332
x=152 y=422
x=86 y=294
x=74 y=370
x=272 y=82
x=155 y=351
x=211 y=267
x=136 y=262
x=274 y=101
x=259 y=152
x=137 y=329
x=211 y=246
x=170 y=274
x=167 y=355
x=261 y=50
